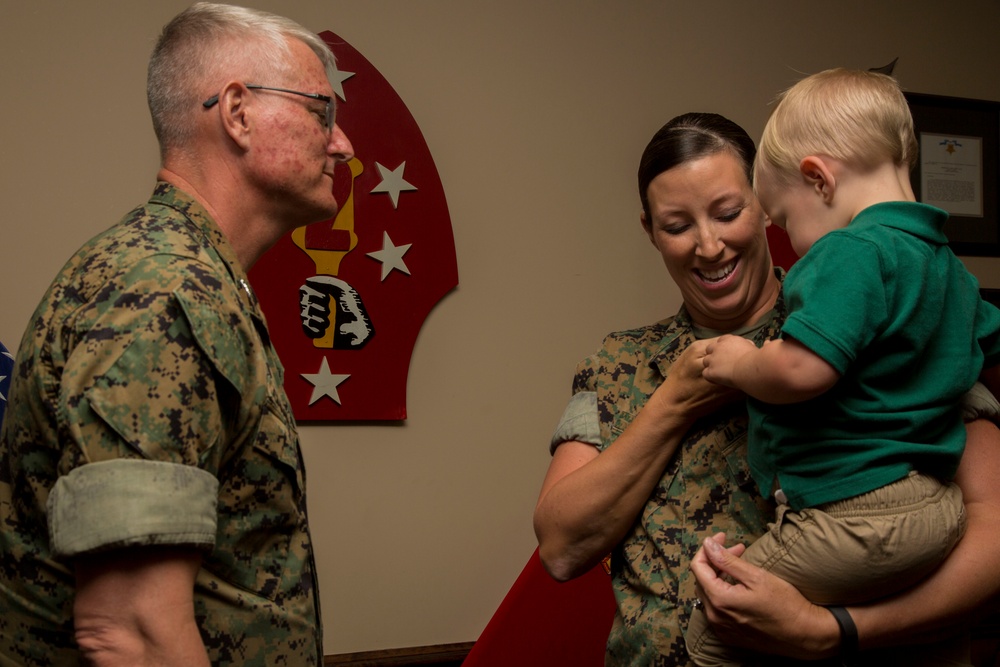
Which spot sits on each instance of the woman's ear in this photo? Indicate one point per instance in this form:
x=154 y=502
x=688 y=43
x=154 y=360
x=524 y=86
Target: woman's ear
x=646 y=227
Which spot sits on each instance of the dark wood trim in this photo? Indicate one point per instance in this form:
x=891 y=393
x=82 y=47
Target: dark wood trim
x=440 y=655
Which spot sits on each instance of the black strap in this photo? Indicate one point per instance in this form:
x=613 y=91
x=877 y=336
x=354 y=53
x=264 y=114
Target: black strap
x=848 y=635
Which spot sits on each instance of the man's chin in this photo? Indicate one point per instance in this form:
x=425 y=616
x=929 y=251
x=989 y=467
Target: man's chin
x=323 y=211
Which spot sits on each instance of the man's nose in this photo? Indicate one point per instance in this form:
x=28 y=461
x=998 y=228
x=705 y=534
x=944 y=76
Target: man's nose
x=339 y=145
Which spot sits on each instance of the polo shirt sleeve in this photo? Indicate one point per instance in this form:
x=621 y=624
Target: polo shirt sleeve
x=836 y=299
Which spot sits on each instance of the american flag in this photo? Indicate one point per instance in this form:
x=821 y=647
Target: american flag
x=6 y=368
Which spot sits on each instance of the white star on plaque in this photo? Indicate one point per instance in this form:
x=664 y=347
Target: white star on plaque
x=324 y=383
x=392 y=182
x=338 y=80
x=391 y=256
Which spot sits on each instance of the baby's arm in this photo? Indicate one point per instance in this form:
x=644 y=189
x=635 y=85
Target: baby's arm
x=783 y=371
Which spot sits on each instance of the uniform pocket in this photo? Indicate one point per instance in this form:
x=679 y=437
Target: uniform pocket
x=261 y=509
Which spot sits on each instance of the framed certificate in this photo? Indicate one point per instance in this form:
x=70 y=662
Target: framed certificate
x=957 y=169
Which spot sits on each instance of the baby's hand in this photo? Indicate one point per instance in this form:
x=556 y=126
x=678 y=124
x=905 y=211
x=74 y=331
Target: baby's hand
x=721 y=357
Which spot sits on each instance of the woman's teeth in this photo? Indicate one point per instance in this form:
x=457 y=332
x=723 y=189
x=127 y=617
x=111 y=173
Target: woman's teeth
x=718 y=274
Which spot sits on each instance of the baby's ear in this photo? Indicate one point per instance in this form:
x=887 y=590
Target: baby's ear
x=817 y=174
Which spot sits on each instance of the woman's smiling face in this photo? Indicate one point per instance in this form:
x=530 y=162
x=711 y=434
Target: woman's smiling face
x=709 y=228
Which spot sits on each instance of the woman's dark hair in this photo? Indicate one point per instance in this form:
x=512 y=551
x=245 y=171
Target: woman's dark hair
x=689 y=137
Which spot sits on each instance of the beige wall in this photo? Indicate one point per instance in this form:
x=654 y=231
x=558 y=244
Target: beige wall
x=536 y=113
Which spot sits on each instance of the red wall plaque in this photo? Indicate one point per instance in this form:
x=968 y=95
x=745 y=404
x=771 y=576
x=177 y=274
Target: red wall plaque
x=345 y=298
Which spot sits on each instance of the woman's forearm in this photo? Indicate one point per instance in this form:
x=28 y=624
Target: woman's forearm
x=762 y=610
x=589 y=501
x=969 y=580
x=944 y=604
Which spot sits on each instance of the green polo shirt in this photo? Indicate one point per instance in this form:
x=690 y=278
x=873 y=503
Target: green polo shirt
x=886 y=303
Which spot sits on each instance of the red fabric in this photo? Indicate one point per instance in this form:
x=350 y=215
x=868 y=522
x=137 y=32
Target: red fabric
x=543 y=623
x=781 y=248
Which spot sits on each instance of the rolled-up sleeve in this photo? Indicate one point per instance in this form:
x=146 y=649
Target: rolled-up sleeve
x=579 y=421
x=131 y=502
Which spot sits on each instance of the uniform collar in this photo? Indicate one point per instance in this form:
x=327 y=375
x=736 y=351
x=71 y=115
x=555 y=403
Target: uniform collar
x=678 y=332
x=166 y=194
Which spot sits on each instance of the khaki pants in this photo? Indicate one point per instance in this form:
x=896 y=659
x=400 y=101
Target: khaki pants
x=854 y=551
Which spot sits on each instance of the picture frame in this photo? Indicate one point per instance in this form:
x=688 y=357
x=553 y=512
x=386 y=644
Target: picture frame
x=958 y=167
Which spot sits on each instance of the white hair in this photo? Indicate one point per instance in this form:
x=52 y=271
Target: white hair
x=207 y=44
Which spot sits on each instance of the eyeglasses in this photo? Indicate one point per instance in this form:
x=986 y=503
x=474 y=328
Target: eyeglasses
x=327 y=120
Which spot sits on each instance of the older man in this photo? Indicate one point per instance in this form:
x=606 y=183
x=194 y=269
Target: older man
x=152 y=494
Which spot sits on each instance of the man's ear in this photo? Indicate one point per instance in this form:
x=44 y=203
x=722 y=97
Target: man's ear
x=234 y=111
x=817 y=174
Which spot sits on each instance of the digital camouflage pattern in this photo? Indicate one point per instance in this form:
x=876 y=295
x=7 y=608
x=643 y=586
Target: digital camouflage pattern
x=706 y=488
x=150 y=346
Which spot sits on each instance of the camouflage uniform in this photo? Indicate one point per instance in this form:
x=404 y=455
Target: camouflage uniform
x=147 y=409
x=705 y=488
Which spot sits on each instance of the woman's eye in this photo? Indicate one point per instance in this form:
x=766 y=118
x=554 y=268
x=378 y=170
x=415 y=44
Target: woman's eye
x=674 y=230
x=729 y=216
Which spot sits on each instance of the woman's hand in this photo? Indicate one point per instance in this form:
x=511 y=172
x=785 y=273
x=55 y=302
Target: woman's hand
x=589 y=501
x=687 y=390
x=759 y=609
